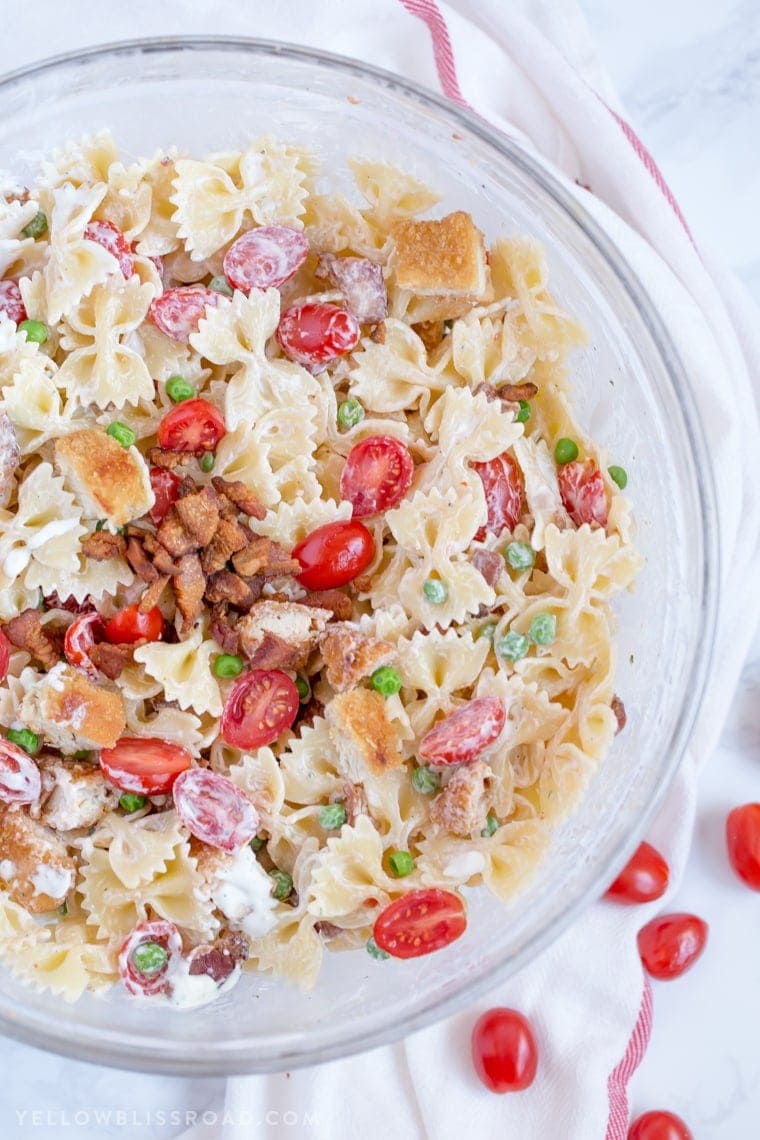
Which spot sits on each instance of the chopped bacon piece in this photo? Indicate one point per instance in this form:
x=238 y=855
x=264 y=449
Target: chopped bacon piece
x=263 y=556
x=70 y=604
x=349 y=655
x=335 y=600
x=152 y=595
x=618 y=708
x=285 y=630
x=199 y=515
x=162 y=457
x=222 y=632
x=221 y=958
x=102 y=545
x=111 y=659
x=139 y=561
x=240 y=495
x=489 y=564
x=228 y=540
x=225 y=586
x=378 y=333
x=327 y=930
x=508 y=393
x=461 y=806
x=430 y=333
x=274 y=653
x=162 y=559
x=174 y=538
x=25 y=631
x=189 y=586
x=309 y=712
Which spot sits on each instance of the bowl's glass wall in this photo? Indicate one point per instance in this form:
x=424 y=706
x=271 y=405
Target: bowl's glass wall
x=204 y=97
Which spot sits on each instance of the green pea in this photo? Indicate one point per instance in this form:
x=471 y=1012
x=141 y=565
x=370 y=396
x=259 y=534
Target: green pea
x=149 y=957
x=283 y=885
x=220 y=285
x=132 y=802
x=350 y=413
x=523 y=415
x=63 y=909
x=487 y=631
x=208 y=459
x=122 y=433
x=492 y=825
x=374 y=950
x=257 y=843
x=35 y=331
x=83 y=755
x=228 y=665
x=618 y=475
x=304 y=689
x=520 y=556
x=385 y=681
x=435 y=591
x=513 y=646
x=401 y=863
x=100 y=525
x=178 y=389
x=37 y=227
x=543 y=629
x=332 y=816
x=565 y=451
x=26 y=739
x=425 y=781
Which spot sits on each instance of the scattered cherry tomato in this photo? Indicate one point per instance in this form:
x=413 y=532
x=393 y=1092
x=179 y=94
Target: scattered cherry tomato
x=316 y=333
x=334 y=554
x=582 y=489
x=177 y=311
x=659 y=1126
x=465 y=733
x=504 y=1050
x=420 y=922
x=144 y=765
x=79 y=640
x=670 y=944
x=111 y=238
x=504 y=489
x=193 y=426
x=5 y=656
x=743 y=841
x=265 y=257
x=260 y=706
x=11 y=302
x=644 y=878
x=130 y=625
x=166 y=487
x=376 y=475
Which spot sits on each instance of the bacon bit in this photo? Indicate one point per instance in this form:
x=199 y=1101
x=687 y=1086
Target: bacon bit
x=336 y=601
x=101 y=545
x=308 y=713
x=228 y=540
x=70 y=604
x=354 y=801
x=508 y=393
x=360 y=585
x=173 y=536
x=327 y=930
x=222 y=632
x=199 y=515
x=618 y=708
x=461 y=806
x=489 y=564
x=162 y=560
x=110 y=659
x=189 y=586
x=349 y=656
x=430 y=333
x=158 y=457
x=139 y=561
x=25 y=632
x=274 y=653
x=225 y=586
x=152 y=595
x=219 y=959
x=263 y=556
x=377 y=334
x=242 y=496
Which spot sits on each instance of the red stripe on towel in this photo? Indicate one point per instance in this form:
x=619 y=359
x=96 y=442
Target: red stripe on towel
x=617 y=1083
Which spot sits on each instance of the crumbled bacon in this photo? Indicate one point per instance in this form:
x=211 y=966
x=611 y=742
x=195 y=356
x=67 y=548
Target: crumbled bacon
x=308 y=713
x=189 y=586
x=158 y=457
x=174 y=537
x=335 y=600
x=199 y=515
x=618 y=708
x=222 y=632
x=274 y=653
x=139 y=561
x=263 y=556
x=25 y=631
x=228 y=540
x=162 y=560
x=102 y=545
x=240 y=496
x=327 y=930
x=70 y=604
x=508 y=393
x=224 y=586
x=430 y=333
x=152 y=595
x=360 y=281
x=110 y=659
x=349 y=655
x=489 y=564
x=377 y=334
x=219 y=959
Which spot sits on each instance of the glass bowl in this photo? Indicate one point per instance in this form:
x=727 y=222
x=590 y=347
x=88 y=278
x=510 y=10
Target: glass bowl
x=630 y=390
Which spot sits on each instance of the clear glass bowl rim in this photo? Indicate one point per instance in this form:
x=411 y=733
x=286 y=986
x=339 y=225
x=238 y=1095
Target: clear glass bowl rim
x=128 y=1053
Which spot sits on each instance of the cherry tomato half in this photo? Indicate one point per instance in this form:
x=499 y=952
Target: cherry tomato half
x=166 y=487
x=79 y=640
x=670 y=944
x=193 y=426
x=743 y=841
x=644 y=878
x=137 y=981
x=215 y=810
x=316 y=333
x=144 y=764
x=334 y=554
x=111 y=238
x=377 y=474
x=5 y=656
x=20 y=780
x=420 y=922
x=504 y=1050
x=130 y=625
x=11 y=302
x=504 y=489
x=659 y=1126
x=260 y=706
x=465 y=733
x=582 y=489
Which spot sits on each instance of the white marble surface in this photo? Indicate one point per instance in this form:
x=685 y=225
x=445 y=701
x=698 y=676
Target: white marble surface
x=689 y=74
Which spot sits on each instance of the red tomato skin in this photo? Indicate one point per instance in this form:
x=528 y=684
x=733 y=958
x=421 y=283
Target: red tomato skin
x=465 y=733
x=659 y=1126
x=144 y=765
x=111 y=238
x=260 y=706
x=420 y=922
x=334 y=554
x=215 y=810
x=11 y=302
x=165 y=934
x=129 y=625
x=315 y=333
x=165 y=485
x=20 y=779
x=192 y=427
x=644 y=878
x=743 y=842
x=504 y=489
x=504 y=1050
x=5 y=656
x=670 y=944
x=583 y=494
x=79 y=640
x=377 y=474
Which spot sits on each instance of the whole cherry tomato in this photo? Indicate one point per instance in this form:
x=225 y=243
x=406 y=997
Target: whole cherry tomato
x=144 y=765
x=504 y=488
x=420 y=922
x=166 y=487
x=334 y=554
x=193 y=426
x=643 y=879
x=659 y=1126
x=260 y=706
x=5 y=656
x=377 y=474
x=130 y=625
x=743 y=841
x=504 y=1050
x=670 y=944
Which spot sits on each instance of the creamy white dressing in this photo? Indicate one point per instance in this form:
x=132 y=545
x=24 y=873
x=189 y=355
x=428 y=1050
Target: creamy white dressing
x=7 y=868
x=16 y=561
x=243 y=892
x=465 y=865
x=56 y=882
x=188 y=991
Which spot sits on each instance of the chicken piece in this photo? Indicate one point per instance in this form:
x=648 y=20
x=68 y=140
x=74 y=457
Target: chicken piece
x=227 y=587
x=349 y=655
x=360 y=281
x=101 y=545
x=446 y=257
x=189 y=587
x=461 y=808
x=240 y=496
x=239 y=886
x=71 y=712
x=10 y=457
x=294 y=626
x=111 y=481
x=34 y=863
x=228 y=540
x=26 y=632
x=110 y=659
x=263 y=556
x=73 y=795
x=174 y=538
x=199 y=515
x=139 y=561
x=366 y=739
